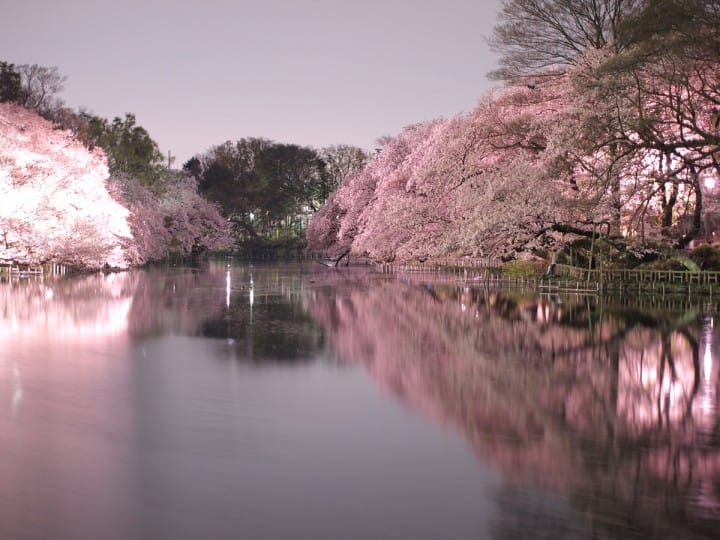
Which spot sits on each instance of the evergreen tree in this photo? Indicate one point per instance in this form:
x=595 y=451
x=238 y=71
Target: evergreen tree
x=10 y=88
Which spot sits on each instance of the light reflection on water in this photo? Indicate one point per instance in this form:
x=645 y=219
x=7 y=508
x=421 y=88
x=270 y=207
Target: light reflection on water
x=234 y=402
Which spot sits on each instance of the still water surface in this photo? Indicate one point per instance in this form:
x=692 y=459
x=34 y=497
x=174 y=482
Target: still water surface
x=295 y=401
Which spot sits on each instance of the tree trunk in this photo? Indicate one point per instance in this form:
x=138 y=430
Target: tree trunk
x=697 y=213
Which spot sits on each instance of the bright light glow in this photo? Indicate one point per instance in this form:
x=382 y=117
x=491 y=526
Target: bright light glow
x=707 y=356
x=708 y=397
x=252 y=293
x=227 y=289
x=707 y=362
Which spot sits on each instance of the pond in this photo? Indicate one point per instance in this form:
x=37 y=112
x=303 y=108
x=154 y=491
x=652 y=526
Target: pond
x=267 y=401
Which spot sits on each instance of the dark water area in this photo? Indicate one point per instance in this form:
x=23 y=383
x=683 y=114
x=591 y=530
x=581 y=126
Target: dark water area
x=297 y=401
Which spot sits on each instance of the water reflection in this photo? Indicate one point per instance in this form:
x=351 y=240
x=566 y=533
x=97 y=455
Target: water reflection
x=164 y=404
x=615 y=409
x=92 y=306
x=258 y=314
x=58 y=387
x=264 y=316
x=220 y=401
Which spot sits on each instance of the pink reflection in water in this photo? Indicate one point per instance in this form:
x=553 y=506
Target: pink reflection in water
x=60 y=380
x=133 y=426
x=563 y=395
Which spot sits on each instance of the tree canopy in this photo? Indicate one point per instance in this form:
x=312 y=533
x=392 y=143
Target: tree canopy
x=59 y=204
x=9 y=83
x=269 y=188
x=130 y=149
x=535 y=35
x=607 y=127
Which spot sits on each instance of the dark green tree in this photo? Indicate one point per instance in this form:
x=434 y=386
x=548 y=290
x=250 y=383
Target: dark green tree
x=265 y=188
x=193 y=167
x=289 y=177
x=9 y=82
x=130 y=149
x=227 y=177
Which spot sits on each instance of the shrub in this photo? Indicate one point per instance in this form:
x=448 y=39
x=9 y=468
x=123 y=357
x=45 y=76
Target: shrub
x=519 y=269
x=662 y=264
x=706 y=256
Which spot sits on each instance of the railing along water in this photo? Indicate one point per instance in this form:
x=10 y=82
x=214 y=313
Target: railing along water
x=604 y=275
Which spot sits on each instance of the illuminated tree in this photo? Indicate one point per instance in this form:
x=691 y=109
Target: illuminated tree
x=55 y=205
x=645 y=86
x=476 y=184
x=653 y=105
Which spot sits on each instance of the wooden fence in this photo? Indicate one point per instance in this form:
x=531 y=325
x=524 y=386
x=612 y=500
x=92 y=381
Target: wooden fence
x=573 y=279
x=44 y=270
x=609 y=275
x=451 y=265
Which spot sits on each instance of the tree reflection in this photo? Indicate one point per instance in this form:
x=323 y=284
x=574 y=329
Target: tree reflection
x=258 y=314
x=91 y=306
x=615 y=408
x=263 y=317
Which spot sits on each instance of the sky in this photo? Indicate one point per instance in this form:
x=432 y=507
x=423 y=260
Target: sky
x=309 y=72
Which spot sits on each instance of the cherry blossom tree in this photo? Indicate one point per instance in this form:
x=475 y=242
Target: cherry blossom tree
x=653 y=110
x=147 y=223
x=479 y=183
x=58 y=204
x=54 y=204
x=618 y=147
x=334 y=227
x=645 y=89
x=175 y=221
x=194 y=224
x=398 y=216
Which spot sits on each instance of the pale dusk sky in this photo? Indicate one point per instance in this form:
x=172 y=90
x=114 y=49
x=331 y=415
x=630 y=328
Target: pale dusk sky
x=309 y=72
